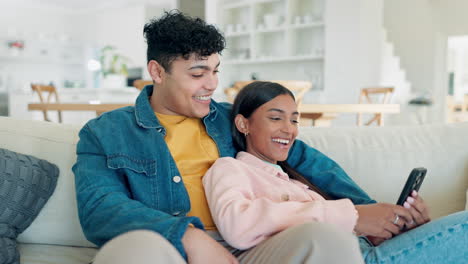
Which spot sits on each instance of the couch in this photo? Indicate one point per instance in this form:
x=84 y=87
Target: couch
x=377 y=158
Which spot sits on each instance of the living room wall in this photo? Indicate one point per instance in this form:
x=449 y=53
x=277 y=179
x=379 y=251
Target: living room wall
x=419 y=30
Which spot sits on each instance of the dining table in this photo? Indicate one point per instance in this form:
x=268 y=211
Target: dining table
x=99 y=108
x=323 y=114
x=320 y=114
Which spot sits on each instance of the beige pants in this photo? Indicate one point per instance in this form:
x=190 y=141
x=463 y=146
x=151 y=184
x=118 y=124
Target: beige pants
x=307 y=243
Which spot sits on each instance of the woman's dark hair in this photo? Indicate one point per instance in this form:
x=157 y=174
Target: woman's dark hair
x=249 y=99
x=176 y=34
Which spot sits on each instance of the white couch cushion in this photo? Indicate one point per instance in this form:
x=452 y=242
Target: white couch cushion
x=58 y=222
x=48 y=254
x=380 y=159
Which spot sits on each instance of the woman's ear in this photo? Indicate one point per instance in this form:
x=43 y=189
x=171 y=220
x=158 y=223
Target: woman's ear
x=156 y=71
x=242 y=124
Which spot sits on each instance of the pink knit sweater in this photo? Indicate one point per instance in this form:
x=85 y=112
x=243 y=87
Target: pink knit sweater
x=251 y=200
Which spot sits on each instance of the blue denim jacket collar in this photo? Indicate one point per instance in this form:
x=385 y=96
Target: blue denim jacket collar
x=144 y=113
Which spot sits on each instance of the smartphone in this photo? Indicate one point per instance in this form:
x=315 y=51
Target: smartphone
x=413 y=182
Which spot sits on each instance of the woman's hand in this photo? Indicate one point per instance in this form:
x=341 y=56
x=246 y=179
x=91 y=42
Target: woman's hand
x=201 y=248
x=381 y=220
x=418 y=210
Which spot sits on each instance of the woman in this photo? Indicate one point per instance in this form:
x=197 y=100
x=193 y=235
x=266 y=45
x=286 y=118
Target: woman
x=257 y=195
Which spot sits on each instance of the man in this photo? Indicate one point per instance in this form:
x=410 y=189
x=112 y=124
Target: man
x=139 y=169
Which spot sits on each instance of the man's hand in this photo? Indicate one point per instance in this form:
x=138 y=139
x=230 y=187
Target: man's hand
x=380 y=220
x=418 y=210
x=201 y=248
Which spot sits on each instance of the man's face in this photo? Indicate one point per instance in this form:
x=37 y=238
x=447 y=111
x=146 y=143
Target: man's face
x=187 y=89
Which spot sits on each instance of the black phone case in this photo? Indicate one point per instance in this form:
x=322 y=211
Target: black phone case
x=413 y=182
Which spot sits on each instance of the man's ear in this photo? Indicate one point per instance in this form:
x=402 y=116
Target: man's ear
x=156 y=71
x=242 y=123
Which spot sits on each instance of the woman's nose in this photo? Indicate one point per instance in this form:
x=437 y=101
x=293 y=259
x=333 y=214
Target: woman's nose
x=288 y=126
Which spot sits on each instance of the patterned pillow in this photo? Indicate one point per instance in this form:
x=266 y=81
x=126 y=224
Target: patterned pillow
x=26 y=183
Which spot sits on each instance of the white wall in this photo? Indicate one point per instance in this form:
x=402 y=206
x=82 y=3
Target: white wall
x=419 y=30
x=452 y=16
x=31 y=21
x=123 y=28
x=353 y=48
x=194 y=8
x=412 y=27
x=353 y=44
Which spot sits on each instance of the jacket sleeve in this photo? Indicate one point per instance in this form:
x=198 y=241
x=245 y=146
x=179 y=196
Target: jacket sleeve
x=105 y=206
x=325 y=174
x=244 y=220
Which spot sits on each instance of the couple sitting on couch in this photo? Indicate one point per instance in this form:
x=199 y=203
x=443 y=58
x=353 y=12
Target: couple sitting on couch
x=140 y=175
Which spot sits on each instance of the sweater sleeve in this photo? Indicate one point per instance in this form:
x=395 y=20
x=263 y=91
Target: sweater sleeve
x=244 y=219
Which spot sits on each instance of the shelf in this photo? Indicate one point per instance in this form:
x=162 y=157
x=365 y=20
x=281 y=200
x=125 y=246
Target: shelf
x=266 y=1
x=241 y=4
x=279 y=59
x=236 y=5
x=238 y=34
x=309 y=25
x=271 y=30
x=40 y=60
x=296 y=42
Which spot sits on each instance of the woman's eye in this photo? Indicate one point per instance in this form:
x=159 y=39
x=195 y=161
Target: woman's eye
x=275 y=118
x=295 y=121
x=197 y=75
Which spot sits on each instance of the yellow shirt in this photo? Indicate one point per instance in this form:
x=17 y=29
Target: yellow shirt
x=194 y=152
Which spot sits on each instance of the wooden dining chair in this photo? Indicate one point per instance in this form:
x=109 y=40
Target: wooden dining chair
x=371 y=96
x=299 y=88
x=465 y=103
x=41 y=90
x=140 y=84
x=457 y=111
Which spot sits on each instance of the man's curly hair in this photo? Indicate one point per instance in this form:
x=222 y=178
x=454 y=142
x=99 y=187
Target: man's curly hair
x=176 y=34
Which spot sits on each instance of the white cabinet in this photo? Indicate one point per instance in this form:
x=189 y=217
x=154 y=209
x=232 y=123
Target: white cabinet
x=272 y=40
x=272 y=30
x=42 y=60
x=42 y=51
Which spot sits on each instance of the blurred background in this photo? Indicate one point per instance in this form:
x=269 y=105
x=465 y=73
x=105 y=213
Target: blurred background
x=94 y=50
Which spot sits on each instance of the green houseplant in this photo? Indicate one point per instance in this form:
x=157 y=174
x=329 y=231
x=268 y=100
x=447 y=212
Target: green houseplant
x=113 y=68
x=112 y=62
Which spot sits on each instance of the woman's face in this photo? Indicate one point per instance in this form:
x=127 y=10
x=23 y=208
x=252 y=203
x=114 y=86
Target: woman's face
x=272 y=129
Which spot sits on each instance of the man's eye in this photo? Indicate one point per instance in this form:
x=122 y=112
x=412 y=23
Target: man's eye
x=294 y=121
x=275 y=118
x=216 y=71
x=197 y=75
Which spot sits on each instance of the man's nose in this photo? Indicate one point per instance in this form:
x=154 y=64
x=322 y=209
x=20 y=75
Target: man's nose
x=211 y=82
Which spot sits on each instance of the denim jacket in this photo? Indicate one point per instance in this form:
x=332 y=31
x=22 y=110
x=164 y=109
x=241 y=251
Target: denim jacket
x=126 y=178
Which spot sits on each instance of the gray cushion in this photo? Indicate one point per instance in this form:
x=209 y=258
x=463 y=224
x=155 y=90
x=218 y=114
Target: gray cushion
x=26 y=183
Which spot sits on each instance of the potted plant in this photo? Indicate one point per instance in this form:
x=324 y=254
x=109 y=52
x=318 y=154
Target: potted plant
x=113 y=68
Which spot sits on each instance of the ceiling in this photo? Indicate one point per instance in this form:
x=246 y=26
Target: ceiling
x=77 y=5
